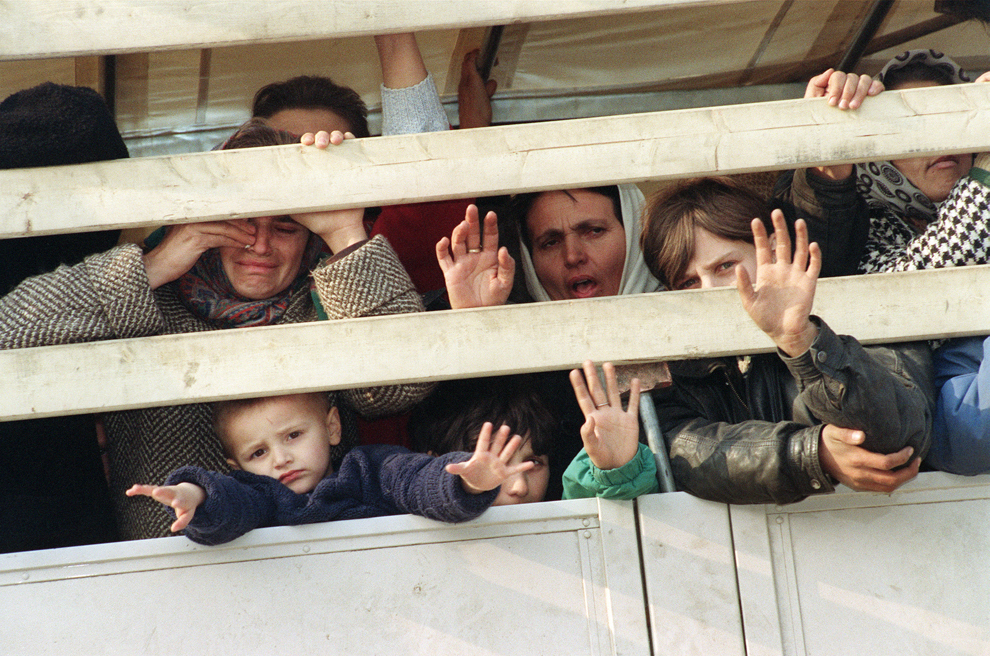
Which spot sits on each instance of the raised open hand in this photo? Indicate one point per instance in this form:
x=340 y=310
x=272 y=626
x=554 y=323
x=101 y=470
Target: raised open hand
x=477 y=274
x=780 y=303
x=610 y=434
x=489 y=466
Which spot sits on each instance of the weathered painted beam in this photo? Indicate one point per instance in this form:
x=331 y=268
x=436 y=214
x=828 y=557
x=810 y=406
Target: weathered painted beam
x=63 y=28
x=562 y=154
x=179 y=369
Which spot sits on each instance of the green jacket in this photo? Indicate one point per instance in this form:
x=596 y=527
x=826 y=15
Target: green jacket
x=637 y=477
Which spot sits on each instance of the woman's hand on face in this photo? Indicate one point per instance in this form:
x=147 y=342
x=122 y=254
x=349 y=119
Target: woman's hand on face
x=323 y=140
x=844 y=91
x=609 y=433
x=476 y=275
x=338 y=228
x=780 y=304
x=184 y=244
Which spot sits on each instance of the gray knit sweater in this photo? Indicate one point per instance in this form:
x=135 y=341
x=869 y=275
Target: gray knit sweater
x=108 y=296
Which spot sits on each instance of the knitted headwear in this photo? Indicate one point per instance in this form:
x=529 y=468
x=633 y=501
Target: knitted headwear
x=53 y=124
x=881 y=183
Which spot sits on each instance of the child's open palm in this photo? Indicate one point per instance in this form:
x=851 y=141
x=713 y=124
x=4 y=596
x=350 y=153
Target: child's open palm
x=184 y=498
x=489 y=466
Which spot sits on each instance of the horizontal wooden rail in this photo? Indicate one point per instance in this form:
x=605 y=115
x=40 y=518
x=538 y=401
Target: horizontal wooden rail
x=63 y=28
x=179 y=369
x=562 y=154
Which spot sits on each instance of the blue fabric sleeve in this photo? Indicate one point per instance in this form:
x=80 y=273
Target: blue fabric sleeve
x=232 y=506
x=582 y=479
x=961 y=443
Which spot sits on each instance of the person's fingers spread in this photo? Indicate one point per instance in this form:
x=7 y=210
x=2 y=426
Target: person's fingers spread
x=761 y=242
x=783 y=250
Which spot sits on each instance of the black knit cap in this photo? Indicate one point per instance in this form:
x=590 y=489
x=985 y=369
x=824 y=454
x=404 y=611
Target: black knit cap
x=52 y=489
x=53 y=124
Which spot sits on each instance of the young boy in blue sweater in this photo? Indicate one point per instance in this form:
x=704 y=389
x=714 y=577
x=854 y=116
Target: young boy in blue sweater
x=279 y=449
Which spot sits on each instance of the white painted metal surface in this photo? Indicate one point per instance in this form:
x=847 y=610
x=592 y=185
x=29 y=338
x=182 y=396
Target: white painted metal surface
x=552 y=578
x=849 y=573
x=689 y=574
x=855 y=573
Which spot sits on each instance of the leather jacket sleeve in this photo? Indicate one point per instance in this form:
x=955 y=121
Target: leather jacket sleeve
x=885 y=391
x=727 y=446
x=719 y=452
x=838 y=218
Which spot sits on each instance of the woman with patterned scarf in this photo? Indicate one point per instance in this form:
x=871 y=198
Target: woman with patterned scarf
x=911 y=213
x=210 y=276
x=925 y=213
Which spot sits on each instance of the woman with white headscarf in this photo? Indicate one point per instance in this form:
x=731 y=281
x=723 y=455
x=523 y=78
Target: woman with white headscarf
x=575 y=243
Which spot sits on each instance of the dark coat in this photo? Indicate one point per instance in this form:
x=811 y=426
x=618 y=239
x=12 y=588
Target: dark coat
x=372 y=481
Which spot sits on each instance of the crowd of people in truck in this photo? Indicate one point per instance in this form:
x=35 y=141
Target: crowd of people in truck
x=770 y=428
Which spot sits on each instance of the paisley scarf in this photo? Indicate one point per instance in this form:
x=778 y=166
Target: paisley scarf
x=880 y=183
x=206 y=291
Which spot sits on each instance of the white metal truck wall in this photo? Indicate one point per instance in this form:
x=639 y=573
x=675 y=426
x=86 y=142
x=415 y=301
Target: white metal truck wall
x=851 y=573
x=539 y=579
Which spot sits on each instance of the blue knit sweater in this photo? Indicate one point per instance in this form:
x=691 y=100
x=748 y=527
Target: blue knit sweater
x=372 y=481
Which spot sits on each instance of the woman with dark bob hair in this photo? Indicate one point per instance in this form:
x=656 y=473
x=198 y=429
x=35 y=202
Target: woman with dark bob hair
x=210 y=276
x=777 y=427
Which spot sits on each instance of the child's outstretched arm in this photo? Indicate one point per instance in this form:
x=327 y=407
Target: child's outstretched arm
x=610 y=434
x=476 y=274
x=780 y=303
x=184 y=498
x=489 y=466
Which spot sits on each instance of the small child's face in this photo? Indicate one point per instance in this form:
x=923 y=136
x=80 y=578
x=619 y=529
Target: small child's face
x=528 y=486
x=287 y=438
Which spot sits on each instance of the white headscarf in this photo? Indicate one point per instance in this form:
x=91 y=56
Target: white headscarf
x=636 y=278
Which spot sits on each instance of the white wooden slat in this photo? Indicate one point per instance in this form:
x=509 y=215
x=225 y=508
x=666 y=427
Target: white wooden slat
x=547 y=336
x=562 y=154
x=62 y=28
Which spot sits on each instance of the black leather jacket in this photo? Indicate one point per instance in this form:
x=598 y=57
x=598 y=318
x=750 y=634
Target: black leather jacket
x=753 y=437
